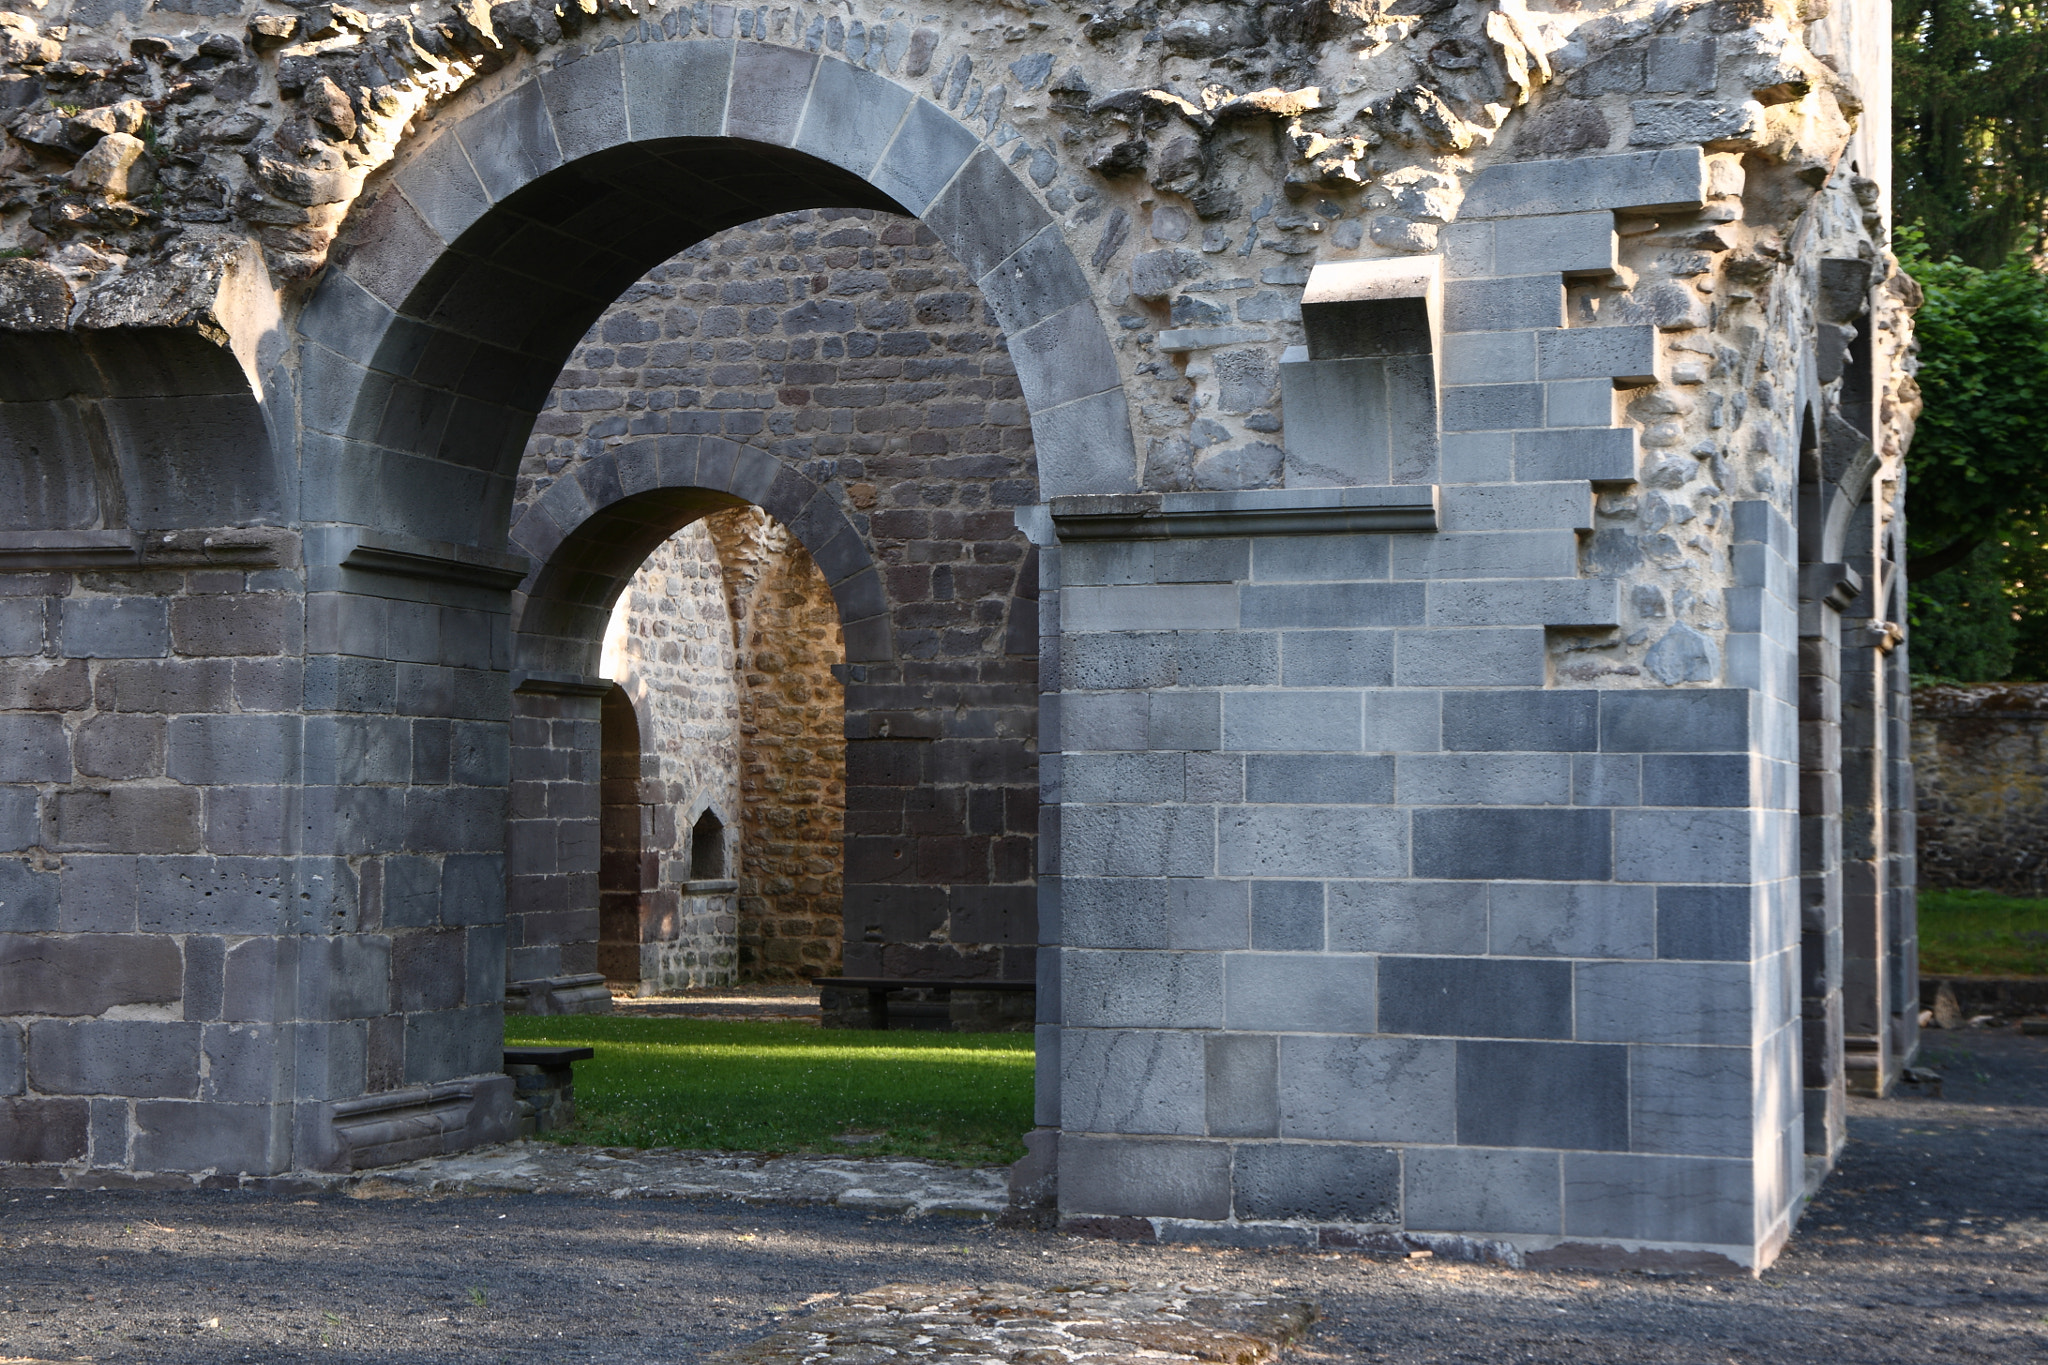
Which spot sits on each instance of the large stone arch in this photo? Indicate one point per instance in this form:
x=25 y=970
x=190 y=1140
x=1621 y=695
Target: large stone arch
x=462 y=280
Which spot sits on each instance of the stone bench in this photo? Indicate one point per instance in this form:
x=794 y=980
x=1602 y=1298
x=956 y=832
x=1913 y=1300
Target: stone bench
x=545 y=1086
x=863 y=1002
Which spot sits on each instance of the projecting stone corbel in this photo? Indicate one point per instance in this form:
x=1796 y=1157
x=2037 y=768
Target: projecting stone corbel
x=1360 y=399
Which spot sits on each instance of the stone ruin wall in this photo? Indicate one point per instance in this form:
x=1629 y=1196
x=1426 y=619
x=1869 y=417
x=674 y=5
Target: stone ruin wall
x=792 y=751
x=1205 y=152
x=1980 y=770
x=850 y=344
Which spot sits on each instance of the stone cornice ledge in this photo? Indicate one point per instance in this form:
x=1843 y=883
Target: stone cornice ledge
x=1251 y=512
x=411 y=557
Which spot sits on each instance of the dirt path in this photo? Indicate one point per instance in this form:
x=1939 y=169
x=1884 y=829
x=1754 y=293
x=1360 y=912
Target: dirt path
x=1930 y=1244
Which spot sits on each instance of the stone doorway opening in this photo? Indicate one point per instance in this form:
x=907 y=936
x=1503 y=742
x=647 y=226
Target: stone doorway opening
x=723 y=768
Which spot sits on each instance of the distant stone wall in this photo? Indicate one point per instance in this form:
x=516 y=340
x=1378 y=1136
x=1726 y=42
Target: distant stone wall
x=851 y=346
x=1980 y=760
x=792 y=761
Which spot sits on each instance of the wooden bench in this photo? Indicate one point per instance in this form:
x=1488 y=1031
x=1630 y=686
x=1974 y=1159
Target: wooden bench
x=880 y=988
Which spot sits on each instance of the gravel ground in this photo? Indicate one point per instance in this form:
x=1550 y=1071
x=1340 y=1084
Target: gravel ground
x=1930 y=1243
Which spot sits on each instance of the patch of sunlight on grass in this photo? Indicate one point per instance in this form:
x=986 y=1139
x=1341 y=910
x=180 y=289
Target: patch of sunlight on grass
x=771 y=1087
x=1981 y=933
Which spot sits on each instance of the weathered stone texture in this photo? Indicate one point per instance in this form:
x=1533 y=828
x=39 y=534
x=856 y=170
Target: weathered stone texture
x=1980 y=767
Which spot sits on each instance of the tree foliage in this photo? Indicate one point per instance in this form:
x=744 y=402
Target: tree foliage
x=1970 y=124
x=1978 y=466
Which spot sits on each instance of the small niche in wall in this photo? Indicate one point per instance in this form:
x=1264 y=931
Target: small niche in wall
x=707 y=849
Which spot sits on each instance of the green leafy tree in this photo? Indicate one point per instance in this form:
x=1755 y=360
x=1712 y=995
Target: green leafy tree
x=1963 y=621
x=1978 y=466
x=1970 y=124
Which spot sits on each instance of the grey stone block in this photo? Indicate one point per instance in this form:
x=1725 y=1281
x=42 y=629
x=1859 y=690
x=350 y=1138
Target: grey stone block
x=1299 y=992
x=1403 y=721
x=1514 y=844
x=247 y=1063
x=143 y=1059
x=1489 y=357
x=49 y=1132
x=1139 y=1081
x=442 y=1045
x=1106 y=722
x=1242 y=1089
x=28 y=897
x=1150 y=606
x=1514 y=303
x=1696 y=780
x=1679 y=65
x=1696 y=720
x=205 y=976
x=1035 y=282
x=1627 y=355
x=928 y=151
x=248 y=820
x=1509 y=721
x=770 y=87
x=114 y=628
x=1684 y=846
x=473 y=888
x=110 y=1128
x=120 y=746
x=124 y=819
x=344 y=976
x=351 y=750
x=1319 y=559
x=1319 y=779
x=676 y=89
x=1291 y=721
x=1325 y=1182
x=1692 y=1003
x=1115 y=912
x=176 y=1135
x=1184 y=721
x=1493 y=407
x=1518 y=507
x=1063 y=357
x=96 y=893
x=1338 y=658
x=206 y=750
x=1474 y=457
x=442 y=186
x=586 y=102
x=1578 y=403
x=1660 y=123
x=13 y=1063
x=1606 y=780
x=1599 y=454
x=1691 y=1101
x=1141 y=990
x=1204 y=913
x=1568 y=919
x=1528 y=601
x=1229 y=659
x=21 y=627
x=984 y=213
x=1450 y=1189
x=1145 y=1177
x=332 y=1059
x=1447 y=657
x=86 y=974
x=1287 y=916
x=1407 y=916
x=1368 y=1089
x=1311 y=841
x=1704 y=923
x=20 y=824
x=510 y=143
x=1485 y=779
x=1660 y=1199
x=1137 y=841
x=1570 y=243
x=209 y=895
x=1543 y=1095
x=1085 y=446
x=33 y=749
x=1666 y=179
x=260 y=980
x=1475 y=997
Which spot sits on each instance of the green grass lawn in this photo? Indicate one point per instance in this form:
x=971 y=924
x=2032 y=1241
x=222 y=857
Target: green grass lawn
x=1981 y=933
x=764 y=1087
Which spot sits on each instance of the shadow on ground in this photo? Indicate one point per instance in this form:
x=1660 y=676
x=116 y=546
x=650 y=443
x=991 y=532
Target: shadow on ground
x=1929 y=1244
